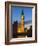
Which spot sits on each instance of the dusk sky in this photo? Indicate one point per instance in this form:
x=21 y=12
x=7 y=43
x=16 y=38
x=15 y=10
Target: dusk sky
x=16 y=13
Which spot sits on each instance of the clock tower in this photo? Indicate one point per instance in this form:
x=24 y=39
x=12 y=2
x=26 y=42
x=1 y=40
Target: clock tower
x=21 y=24
x=22 y=21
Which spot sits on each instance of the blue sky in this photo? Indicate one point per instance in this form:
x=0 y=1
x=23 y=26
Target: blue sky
x=16 y=13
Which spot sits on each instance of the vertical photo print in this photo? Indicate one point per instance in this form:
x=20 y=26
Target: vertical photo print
x=21 y=20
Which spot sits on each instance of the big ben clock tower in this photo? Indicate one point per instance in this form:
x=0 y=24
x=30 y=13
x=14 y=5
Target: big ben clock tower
x=22 y=21
x=21 y=25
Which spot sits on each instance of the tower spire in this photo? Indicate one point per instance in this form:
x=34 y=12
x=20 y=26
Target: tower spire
x=22 y=13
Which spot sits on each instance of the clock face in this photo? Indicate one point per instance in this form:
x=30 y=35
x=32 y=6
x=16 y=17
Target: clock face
x=22 y=17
